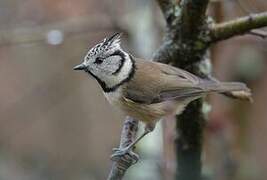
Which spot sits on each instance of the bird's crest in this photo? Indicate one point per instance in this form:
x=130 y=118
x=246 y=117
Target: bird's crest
x=106 y=44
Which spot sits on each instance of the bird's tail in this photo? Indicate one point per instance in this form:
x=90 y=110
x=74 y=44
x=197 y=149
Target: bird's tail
x=232 y=89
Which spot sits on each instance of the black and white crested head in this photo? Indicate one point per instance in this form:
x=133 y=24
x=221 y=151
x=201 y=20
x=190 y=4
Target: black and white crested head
x=108 y=63
x=108 y=44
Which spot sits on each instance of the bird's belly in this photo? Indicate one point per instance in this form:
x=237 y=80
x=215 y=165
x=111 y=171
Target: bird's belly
x=144 y=112
x=152 y=112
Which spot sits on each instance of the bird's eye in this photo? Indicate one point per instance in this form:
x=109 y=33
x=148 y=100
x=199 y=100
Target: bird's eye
x=98 y=60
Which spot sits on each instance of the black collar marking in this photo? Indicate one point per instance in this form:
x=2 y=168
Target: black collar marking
x=113 y=88
x=122 y=55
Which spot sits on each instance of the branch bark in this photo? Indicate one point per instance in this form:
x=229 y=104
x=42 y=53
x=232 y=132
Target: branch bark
x=184 y=46
x=193 y=16
x=238 y=26
x=128 y=134
x=169 y=9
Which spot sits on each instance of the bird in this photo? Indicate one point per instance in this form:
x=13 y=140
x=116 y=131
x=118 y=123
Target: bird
x=147 y=90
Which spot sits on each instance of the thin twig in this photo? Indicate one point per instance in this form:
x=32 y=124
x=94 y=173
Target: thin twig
x=259 y=33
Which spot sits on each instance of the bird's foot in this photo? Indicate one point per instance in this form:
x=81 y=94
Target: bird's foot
x=124 y=156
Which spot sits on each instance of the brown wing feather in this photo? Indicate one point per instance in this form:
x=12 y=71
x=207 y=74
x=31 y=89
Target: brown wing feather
x=155 y=82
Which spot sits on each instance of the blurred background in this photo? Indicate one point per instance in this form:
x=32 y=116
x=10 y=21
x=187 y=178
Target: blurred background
x=55 y=123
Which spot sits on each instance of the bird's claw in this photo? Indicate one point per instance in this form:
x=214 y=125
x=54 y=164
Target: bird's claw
x=124 y=156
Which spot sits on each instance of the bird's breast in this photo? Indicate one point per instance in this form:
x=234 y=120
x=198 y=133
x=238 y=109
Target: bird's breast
x=114 y=97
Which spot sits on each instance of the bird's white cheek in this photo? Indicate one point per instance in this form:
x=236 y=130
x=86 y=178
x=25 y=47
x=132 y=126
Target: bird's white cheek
x=96 y=71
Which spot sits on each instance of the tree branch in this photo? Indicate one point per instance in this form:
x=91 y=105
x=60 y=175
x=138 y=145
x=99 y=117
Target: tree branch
x=238 y=26
x=193 y=16
x=259 y=33
x=189 y=125
x=183 y=36
x=169 y=8
x=128 y=134
x=184 y=46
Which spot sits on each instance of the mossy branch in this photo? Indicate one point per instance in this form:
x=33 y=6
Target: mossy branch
x=238 y=26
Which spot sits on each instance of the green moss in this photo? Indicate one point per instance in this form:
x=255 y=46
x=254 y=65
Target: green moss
x=198 y=45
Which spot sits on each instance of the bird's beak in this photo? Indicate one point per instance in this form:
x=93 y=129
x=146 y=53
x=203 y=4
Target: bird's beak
x=80 y=67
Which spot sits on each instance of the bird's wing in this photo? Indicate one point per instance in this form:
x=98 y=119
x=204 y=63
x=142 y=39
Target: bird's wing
x=155 y=82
